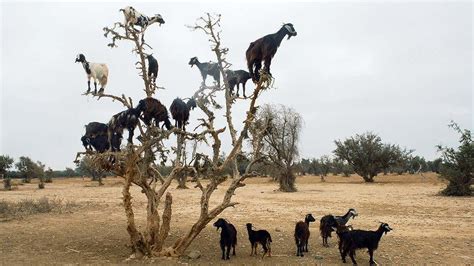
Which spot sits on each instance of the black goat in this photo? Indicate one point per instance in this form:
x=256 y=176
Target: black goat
x=180 y=111
x=236 y=78
x=152 y=68
x=101 y=142
x=211 y=69
x=96 y=128
x=264 y=49
x=261 y=236
x=302 y=234
x=126 y=119
x=228 y=237
x=328 y=222
x=341 y=230
x=358 y=239
x=153 y=109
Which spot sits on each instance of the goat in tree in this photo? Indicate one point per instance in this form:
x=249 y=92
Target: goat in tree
x=264 y=49
x=153 y=109
x=152 y=68
x=97 y=71
x=180 y=111
x=211 y=69
x=237 y=77
x=328 y=222
x=126 y=119
x=358 y=239
x=133 y=17
x=302 y=234
x=228 y=237
x=101 y=142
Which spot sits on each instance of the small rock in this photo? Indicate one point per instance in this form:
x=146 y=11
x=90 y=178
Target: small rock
x=277 y=230
x=194 y=254
x=318 y=257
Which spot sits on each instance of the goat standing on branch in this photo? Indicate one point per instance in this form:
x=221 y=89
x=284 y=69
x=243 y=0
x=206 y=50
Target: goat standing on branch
x=180 y=112
x=99 y=72
x=211 y=69
x=135 y=18
x=264 y=49
x=153 y=109
x=126 y=119
x=152 y=68
x=237 y=77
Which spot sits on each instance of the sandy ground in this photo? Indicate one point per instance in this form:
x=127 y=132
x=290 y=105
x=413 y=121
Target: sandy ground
x=428 y=229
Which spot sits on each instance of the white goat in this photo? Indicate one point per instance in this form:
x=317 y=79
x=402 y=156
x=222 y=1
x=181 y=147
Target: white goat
x=99 y=72
x=133 y=17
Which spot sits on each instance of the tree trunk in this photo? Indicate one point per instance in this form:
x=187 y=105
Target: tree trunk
x=182 y=178
x=287 y=181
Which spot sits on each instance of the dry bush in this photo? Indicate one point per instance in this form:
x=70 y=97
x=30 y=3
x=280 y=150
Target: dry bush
x=11 y=210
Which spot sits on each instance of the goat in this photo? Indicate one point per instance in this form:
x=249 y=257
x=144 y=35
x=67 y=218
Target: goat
x=95 y=129
x=153 y=109
x=101 y=142
x=358 y=239
x=329 y=221
x=261 y=236
x=264 y=49
x=152 y=68
x=236 y=78
x=302 y=234
x=340 y=231
x=97 y=71
x=133 y=17
x=126 y=119
x=228 y=237
x=180 y=112
x=211 y=69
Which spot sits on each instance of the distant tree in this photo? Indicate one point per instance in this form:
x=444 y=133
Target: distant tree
x=48 y=175
x=367 y=154
x=435 y=165
x=5 y=163
x=280 y=141
x=26 y=168
x=40 y=174
x=69 y=172
x=458 y=164
x=325 y=166
x=87 y=167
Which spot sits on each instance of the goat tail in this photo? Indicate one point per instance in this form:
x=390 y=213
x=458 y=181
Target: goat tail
x=269 y=239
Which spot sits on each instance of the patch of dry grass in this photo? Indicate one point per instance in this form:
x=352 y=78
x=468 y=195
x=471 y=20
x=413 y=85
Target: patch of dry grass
x=11 y=210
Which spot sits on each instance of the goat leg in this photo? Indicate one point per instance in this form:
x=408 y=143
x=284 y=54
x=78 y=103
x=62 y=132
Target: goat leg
x=351 y=254
x=88 y=86
x=95 y=87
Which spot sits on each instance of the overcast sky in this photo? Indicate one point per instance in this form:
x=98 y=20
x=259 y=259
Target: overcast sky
x=401 y=70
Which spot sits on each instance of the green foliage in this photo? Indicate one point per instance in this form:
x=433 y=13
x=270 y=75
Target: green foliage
x=5 y=163
x=368 y=155
x=458 y=164
x=435 y=165
x=28 y=169
x=86 y=167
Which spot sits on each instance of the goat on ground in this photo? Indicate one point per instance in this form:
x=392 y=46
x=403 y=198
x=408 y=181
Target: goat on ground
x=264 y=49
x=97 y=71
x=211 y=69
x=180 y=112
x=126 y=119
x=358 y=239
x=341 y=230
x=261 y=236
x=237 y=77
x=153 y=109
x=328 y=222
x=228 y=237
x=302 y=234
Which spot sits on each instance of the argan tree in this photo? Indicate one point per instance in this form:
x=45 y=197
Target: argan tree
x=5 y=163
x=280 y=134
x=26 y=168
x=87 y=167
x=367 y=155
x=458 y=164
x=138 y=164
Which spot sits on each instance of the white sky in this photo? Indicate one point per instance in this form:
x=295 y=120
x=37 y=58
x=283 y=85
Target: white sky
x=401 y=70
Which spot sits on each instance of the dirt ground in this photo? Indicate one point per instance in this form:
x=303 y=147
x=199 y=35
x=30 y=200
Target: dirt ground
x=428 y=229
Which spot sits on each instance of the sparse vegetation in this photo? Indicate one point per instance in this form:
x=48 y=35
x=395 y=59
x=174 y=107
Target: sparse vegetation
x=458 y=164
x=11 y=210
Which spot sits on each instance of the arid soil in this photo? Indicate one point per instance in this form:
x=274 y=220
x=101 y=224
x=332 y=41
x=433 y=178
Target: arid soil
x=428 y=229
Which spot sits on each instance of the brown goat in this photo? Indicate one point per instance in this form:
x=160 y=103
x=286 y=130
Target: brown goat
x=264 y=49
x=302 y=234
x=153 y=109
